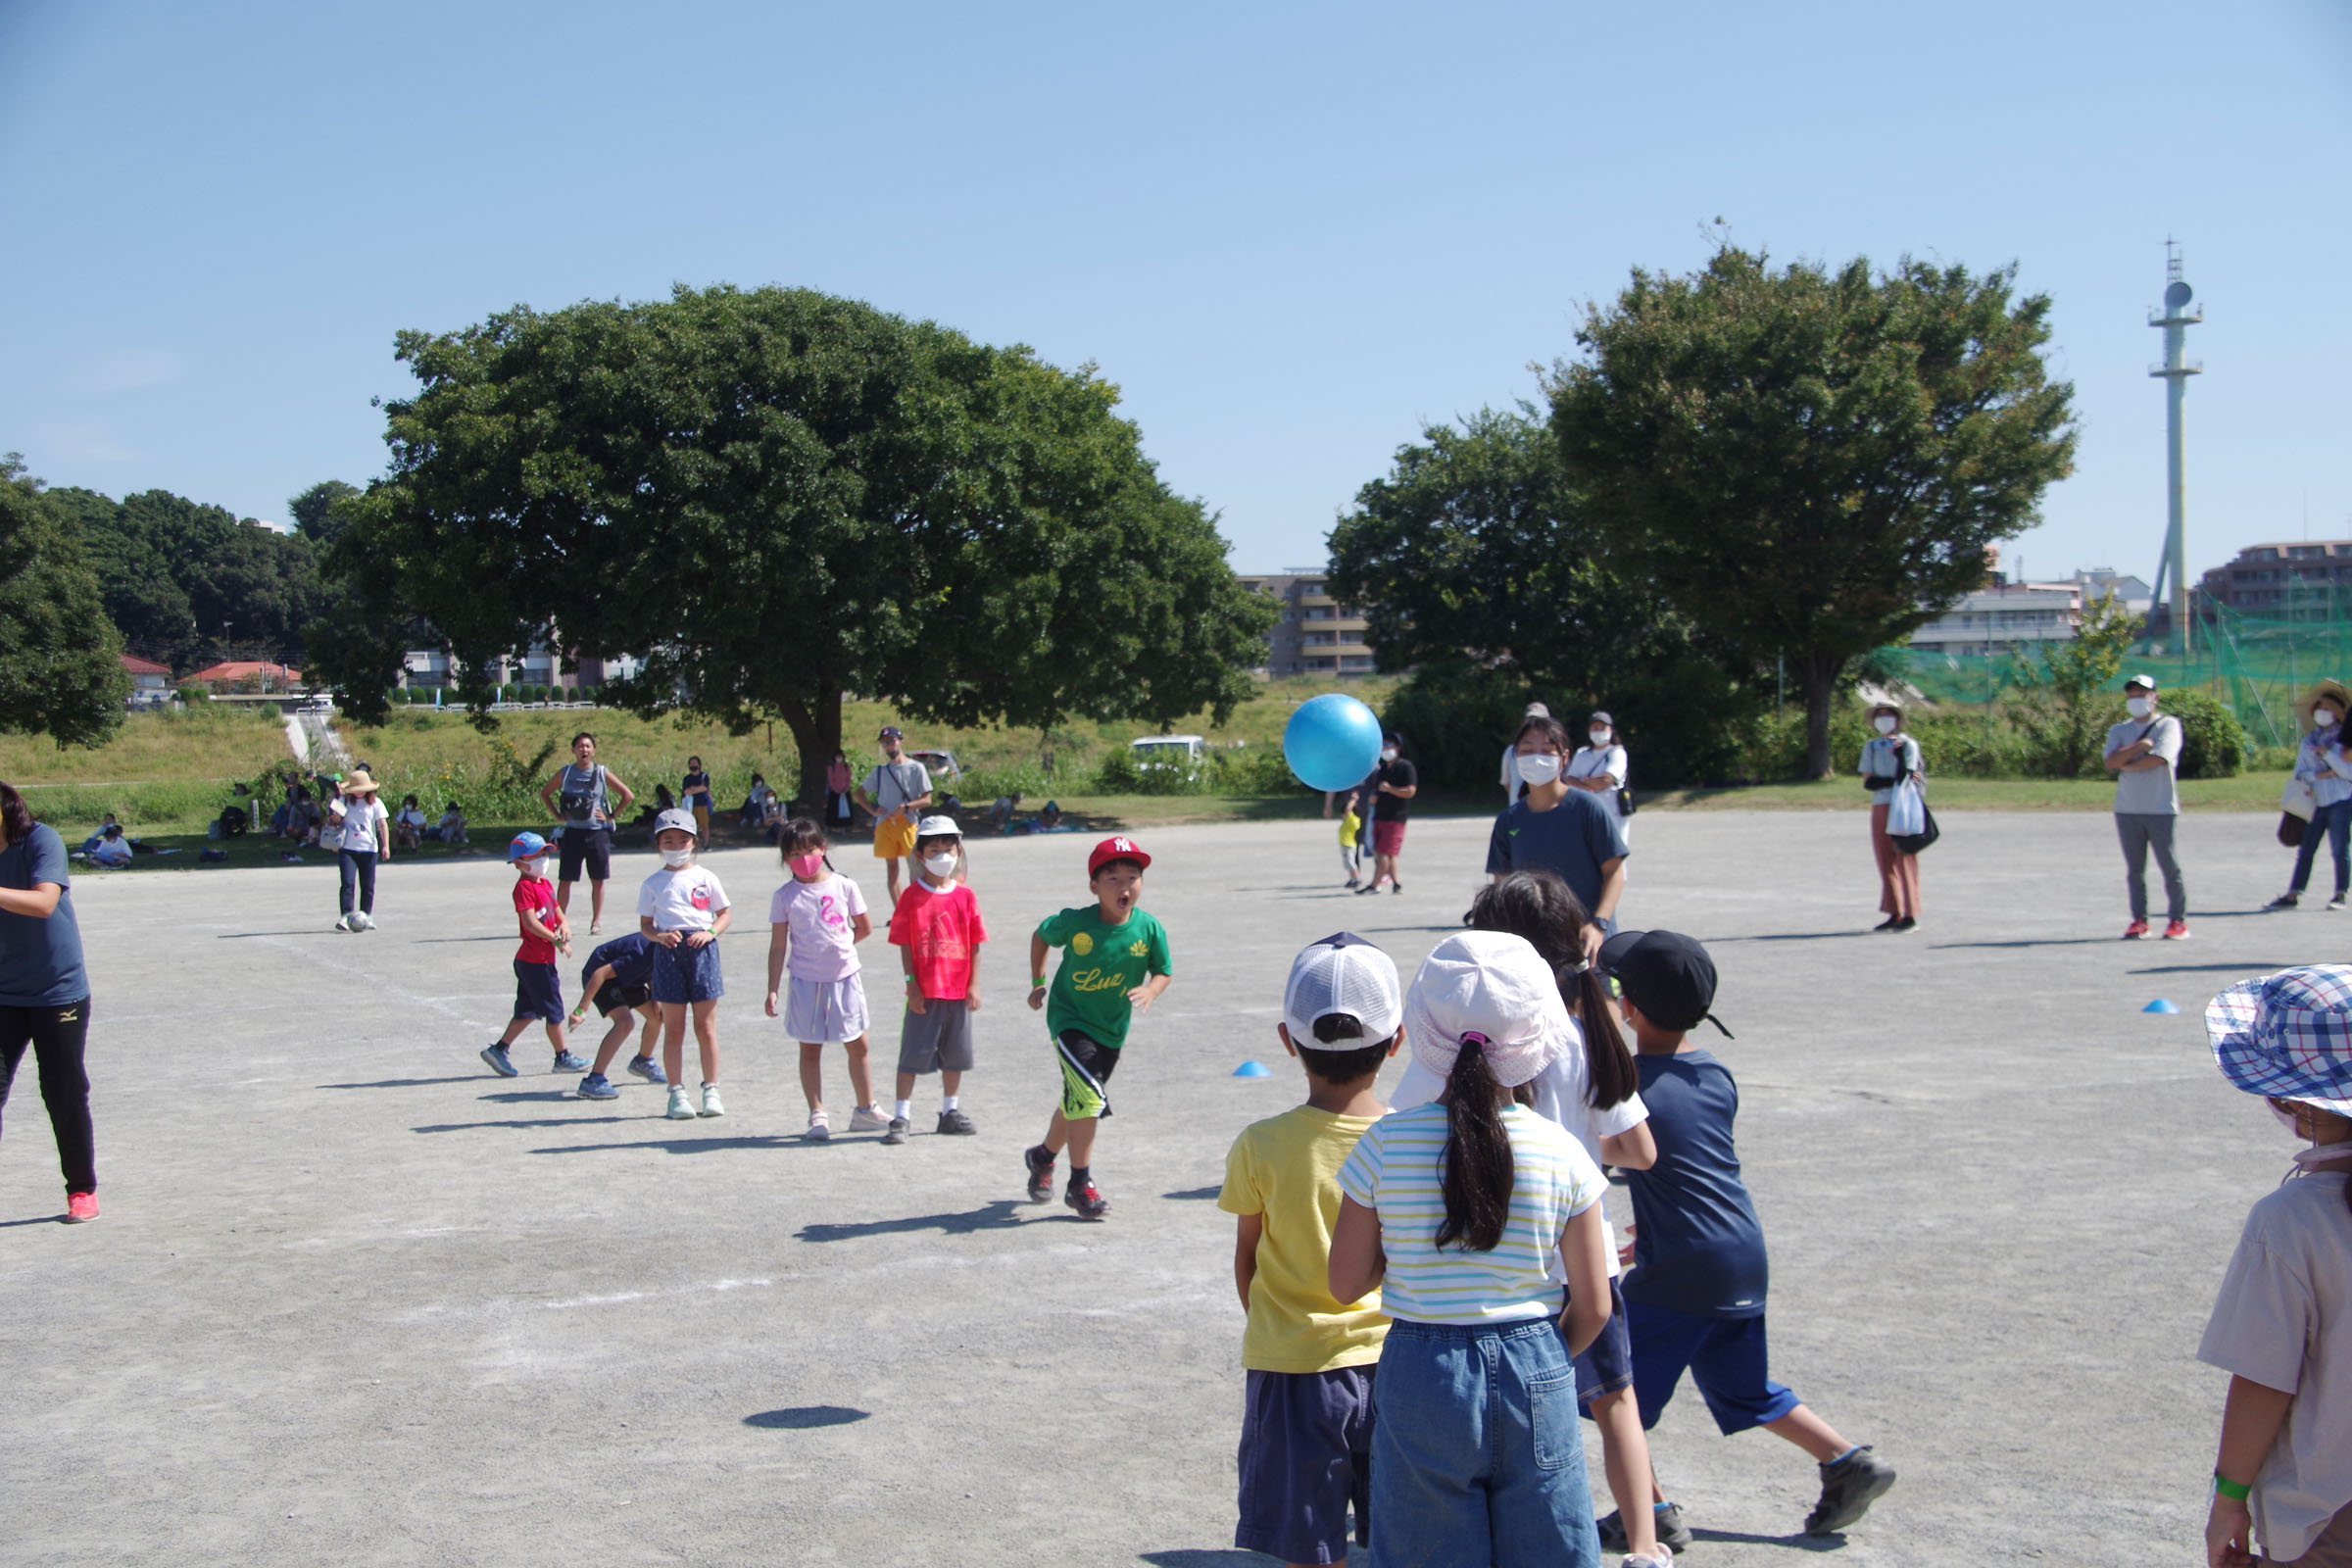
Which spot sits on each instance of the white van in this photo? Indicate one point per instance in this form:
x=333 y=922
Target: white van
x=1185 y=752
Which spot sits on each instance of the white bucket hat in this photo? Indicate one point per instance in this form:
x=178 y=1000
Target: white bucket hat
x=1495 y=985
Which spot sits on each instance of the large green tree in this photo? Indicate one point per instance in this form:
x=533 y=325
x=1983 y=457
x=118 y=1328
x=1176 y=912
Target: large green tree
x=317 y=512
x=1476 y=563
x=61 y=670
x=1810 y=463
x=188 y=583
x=776 y=498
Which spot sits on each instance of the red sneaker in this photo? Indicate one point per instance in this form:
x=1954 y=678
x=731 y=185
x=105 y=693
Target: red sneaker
x=80 y=1208
x=2135 y=930
x=2177 y=931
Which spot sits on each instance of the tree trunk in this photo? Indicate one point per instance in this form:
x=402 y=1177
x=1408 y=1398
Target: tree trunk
x=816 y=736
x=1819 y=675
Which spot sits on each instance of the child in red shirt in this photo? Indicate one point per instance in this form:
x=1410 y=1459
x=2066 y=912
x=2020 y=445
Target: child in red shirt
x=938 y=931
x=538 y=989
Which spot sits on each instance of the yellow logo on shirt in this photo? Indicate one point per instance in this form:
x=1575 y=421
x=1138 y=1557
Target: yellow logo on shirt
x=1081 y=944
x=1137 y=948
x=1088 y=980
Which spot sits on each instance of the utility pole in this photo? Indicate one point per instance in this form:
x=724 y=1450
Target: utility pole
x=2178 y=318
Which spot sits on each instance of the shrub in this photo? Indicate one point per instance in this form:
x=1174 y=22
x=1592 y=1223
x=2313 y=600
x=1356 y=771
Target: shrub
x=2212 y=743
x=192 y=693
x=1684 y=723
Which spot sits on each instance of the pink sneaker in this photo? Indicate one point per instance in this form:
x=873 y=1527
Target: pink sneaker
x=80 y=1208
x=2175 y=931
x=2135 y=930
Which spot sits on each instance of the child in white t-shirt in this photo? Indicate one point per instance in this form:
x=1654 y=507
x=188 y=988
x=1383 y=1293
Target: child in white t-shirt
x=815 y=922
x=682 y=911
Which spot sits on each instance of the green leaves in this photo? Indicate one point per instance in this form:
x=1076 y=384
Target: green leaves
x=60 y=668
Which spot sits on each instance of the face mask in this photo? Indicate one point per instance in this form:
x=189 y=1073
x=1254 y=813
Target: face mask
x=943 y=866
x=673 y=858
x=807 y=866
x=1388 y=754
x=2327 y=717
x=1538 y=767
x=534 y=867
x=1598 y=737
x=1886 y=723
x=2138 y=707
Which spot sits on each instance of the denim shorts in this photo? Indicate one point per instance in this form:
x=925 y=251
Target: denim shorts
x=687 y=974
x=1724 y=1356
x=1607 y=1363
x=1307 y=1458
x=1476 y=1454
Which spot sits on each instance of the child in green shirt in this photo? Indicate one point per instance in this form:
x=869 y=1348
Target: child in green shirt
x=1117 y=965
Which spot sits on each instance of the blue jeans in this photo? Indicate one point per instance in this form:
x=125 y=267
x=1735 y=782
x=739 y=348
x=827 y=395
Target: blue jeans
x=2337 y=823
x=1476 y=1454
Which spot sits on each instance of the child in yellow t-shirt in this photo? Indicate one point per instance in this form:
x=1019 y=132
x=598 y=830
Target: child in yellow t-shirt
x=1306 y=1430
x=1350 y=825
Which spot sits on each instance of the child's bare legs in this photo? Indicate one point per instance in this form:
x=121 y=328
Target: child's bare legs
x=673 y=1041
x=705 y=1037
x=555 y=1038
x=563 y=898
x=515 y=1029
x=861 y=1073
x=1810 y=1432
x=1625 y=1456
x=596 y=902
x=949 y=1083
x=623 y=1021
x=1077 y=1136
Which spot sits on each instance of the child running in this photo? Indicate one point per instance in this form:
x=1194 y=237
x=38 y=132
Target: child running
x=538 y=989
x=618 y=979
x=1116 y=966
x=682 y=911
x=1589 y=1089
x=1469 y=1213
x=2282 y=1326
x=815 y=922
x=1695 y=1300
x=938 y=931
x=1310 y=1360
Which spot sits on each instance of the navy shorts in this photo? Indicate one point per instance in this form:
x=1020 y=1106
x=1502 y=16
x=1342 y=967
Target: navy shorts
x=538 y=990
x=687 y=974
x=1306 y=1457
x=1607 y=1363
x=614 y=997
x=1724 y=1356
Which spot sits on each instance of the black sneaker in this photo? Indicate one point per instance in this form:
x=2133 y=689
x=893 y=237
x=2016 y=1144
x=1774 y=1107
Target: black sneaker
x=1088 y=1201
x=2284 y=901
x=1673 y=1533
x=1891 y=922
x=897 y=1131
x=1847 y=1489
x=955 y=1124
x=1906 y=924
x=1041 y=1172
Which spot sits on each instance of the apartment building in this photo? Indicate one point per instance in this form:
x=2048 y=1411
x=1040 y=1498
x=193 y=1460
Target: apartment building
x=2281 y=578
x=1317 y=635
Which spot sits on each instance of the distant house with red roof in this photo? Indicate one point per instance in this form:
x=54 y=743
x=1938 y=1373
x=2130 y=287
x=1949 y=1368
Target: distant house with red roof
x=146 y=675
x=247 y=674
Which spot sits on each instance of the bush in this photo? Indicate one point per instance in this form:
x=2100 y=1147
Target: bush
x=1682 y=723
x=2212 y=743
x=192 y=693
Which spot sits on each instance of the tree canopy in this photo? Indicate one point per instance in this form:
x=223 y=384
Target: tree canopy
x=60 y=670
x=775 y=497
x=188 y=584
x=317 y=512
x=1812 y=464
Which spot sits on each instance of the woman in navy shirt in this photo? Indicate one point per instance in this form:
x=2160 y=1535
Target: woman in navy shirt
x=44 y=993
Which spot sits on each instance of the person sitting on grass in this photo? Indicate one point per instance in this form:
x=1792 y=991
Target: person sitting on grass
x=113 y=850
x=408 y=827
x=451 y=828
x=99 y=832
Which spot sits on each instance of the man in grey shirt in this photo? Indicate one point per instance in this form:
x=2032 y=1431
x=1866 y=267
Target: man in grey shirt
x=2143 y=753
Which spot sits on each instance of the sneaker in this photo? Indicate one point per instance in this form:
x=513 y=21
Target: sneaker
x=1356 y=882
x=596 y=1086
x=2135 y=930
x=1890 y=923
x=819 y=1129
x=80 y=1208
x=2175 y=931
x=1396 y=887
x=711 y=1102
x=1908 y=922
x=1088 y=1201
x=866 y=1119
x=646 y=1068
x=2335 y=903
x=496 y=1056
x=955 y=1122
x=1643 y=1560
x=565 y=1062
x=1041 y=1172
x=2287 y=901
x=1673 y=1535
x=898 y=1131
x=679 y=1110
x=1847 y=1489
x=1369 y=887
x=343 y=923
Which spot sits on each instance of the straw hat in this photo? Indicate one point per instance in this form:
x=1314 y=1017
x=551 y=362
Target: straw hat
x=358 y=783
x=2328 y=690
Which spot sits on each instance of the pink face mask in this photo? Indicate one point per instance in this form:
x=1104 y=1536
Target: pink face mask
x=807 y=866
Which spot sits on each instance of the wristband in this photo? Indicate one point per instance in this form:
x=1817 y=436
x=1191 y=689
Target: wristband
x=1038 y=984
x=2236 y=1492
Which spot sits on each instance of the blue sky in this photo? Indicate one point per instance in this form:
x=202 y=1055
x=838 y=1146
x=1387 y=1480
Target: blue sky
x=1290 y=233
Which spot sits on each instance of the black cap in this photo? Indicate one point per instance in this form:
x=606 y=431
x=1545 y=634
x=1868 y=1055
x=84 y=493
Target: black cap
x=1667 y=975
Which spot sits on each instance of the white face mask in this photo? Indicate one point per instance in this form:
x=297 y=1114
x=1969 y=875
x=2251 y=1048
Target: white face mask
x=1538 y=768
x=2327 y=717
x=1388 y=754
x=1886 y=723
x=943 y=866
x=1598 y=737
x=673 y=858
x=2138 y=707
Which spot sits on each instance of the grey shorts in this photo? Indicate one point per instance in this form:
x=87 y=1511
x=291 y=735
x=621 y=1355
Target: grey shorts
x=938 y=1038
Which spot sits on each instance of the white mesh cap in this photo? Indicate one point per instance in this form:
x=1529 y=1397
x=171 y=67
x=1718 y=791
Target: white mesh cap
x=1343 y=973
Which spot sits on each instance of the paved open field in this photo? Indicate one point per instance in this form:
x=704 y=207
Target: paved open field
x=355 y=1300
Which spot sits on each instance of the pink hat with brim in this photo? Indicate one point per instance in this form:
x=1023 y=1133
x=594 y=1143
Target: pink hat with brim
x=1494 y=986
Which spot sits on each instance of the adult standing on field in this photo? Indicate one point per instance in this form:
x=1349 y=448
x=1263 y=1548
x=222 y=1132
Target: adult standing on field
x=1566 y=832
x=694 y=793
x=587 y=788
x=1513 y=785
x=893 y=793
x=2322 y=762
x=1889 y=758
x=1598 y=768
x=364 y=836
x=838 y=784
x=45 y=993
x=2143 y=753
x=1395 y=783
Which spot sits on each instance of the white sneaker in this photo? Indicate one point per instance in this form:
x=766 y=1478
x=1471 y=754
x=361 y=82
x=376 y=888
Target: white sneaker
x=680 y=1108
x=866 y=1119
x=819 y=1129
x=343 y=923
x=711 y=1105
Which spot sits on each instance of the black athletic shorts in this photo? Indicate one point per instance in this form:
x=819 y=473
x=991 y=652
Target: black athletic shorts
x=592 y=844
x=1086 y=1068
x=613 y=998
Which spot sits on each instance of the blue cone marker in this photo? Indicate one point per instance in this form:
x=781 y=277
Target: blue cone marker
x=1254 y=1069
x=2160 y=1006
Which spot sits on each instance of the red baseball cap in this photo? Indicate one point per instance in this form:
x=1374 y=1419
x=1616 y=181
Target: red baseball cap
x=1121 y=848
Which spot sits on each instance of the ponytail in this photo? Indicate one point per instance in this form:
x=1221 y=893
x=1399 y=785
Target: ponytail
x=1612 y=1078
x=1475 y=1170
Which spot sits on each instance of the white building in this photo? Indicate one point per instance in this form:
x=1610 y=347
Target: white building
x=2003 y=617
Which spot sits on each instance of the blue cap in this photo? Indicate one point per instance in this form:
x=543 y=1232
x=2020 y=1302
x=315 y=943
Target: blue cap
x=524 y=846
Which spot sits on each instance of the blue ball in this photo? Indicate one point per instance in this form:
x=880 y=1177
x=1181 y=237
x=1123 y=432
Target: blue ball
x=1332 y=743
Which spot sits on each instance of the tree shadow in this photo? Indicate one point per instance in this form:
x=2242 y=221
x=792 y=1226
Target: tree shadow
x=544 y=1121
x=1002 y=1214
x=805 y=1417
x=1191 y=1194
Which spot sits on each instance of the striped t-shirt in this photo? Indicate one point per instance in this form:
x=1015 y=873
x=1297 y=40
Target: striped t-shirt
x=1394 y=1171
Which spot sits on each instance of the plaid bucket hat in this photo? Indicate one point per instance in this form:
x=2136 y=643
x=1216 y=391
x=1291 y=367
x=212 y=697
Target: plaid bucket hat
x=2287 y=1036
